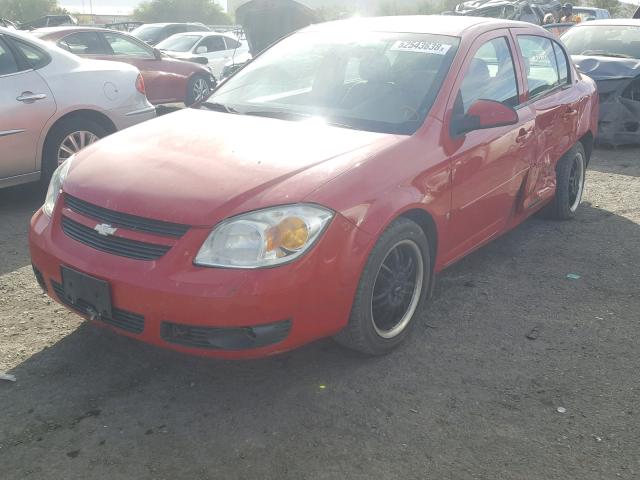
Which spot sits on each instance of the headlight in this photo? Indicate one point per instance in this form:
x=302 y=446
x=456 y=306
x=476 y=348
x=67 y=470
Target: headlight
x=264 y=238
x=55 y=186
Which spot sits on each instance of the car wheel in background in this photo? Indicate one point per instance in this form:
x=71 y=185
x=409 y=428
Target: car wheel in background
x=392 y=290
x=197 y=90
x=65 y=139
x=570 y=178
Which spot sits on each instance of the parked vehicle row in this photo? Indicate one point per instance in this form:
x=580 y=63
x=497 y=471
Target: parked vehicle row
x=167 y=80
x=321 y=188
x=52 y=104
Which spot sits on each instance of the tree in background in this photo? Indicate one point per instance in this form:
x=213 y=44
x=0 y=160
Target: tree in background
x=26 y=10
x=205 y=11
x=420 y=8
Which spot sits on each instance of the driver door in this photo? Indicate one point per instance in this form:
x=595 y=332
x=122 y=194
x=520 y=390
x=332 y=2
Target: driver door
x=489 y=165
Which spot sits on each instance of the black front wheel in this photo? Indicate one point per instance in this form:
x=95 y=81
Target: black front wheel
x=392 y=290
x=570 y=180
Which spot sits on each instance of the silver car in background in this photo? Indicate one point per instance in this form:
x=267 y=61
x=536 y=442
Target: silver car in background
x=52 y=104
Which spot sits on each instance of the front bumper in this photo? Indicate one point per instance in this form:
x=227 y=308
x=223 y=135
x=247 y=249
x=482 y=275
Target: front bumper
x=212 y=312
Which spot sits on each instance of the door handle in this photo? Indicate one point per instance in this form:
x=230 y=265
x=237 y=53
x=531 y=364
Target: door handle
x=569 y=113
x=523 y=135
x=30 y=97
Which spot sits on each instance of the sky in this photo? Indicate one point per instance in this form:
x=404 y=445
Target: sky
x=102 y=7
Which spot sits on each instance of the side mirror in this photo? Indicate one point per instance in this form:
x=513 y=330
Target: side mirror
x=200 y=60
x=201 y=49
x=157 y=53
x=483 y=114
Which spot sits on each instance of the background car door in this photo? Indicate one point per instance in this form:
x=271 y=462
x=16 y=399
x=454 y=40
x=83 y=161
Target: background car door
x=159 y=80
x=555 y=106
x=214 y=49
x=26 y=104
x=488 y=166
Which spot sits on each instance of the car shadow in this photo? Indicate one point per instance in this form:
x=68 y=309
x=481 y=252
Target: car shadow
x=93 y=388
x=17 y=205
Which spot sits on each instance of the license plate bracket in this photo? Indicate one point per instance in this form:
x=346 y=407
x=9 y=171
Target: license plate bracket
x=87 y=293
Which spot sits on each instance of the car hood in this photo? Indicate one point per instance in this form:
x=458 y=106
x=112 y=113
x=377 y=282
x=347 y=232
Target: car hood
x=607 y=68
x=197 y=167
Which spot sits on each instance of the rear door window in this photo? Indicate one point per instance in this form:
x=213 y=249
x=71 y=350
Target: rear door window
x=36 y=57
x=563 y=64
x=123 y=46
x=83 y=43
x=8 y=64
x=540 y=61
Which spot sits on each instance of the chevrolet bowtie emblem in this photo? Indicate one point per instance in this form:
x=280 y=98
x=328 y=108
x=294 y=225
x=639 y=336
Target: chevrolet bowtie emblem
x=105 y=230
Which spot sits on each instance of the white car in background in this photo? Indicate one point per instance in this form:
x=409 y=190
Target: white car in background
x=53 y=103
x=218 y=48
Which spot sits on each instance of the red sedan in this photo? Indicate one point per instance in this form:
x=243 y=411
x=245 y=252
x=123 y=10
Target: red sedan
x=167 y=80
x=321 y=188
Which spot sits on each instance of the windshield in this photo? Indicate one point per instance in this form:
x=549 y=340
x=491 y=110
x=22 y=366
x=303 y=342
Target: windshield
x=179 y=43
x=607 y=40
x=383 y=82
x=147 y=33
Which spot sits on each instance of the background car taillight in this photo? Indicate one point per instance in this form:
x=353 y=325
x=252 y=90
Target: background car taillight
x=140 y=85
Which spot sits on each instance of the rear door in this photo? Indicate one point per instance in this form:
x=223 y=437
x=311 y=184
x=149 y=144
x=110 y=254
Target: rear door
x=215 y=51
x=26 y=104
x=556 y=106
x=489 y=165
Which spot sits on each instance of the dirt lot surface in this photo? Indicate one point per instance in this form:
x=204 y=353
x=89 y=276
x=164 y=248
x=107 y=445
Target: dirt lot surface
x=469 y=396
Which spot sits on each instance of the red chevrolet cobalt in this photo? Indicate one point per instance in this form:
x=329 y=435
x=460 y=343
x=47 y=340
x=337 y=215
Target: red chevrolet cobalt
x=320 y=189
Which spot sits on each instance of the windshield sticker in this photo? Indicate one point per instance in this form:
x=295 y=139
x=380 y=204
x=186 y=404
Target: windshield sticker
x=421 y=47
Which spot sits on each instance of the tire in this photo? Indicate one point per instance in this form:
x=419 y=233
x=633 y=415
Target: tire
x=367 y=331
x=194 y=92
x=570 y=179
x=78 y=127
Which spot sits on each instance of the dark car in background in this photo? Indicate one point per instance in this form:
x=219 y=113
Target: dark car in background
x=609 y=52
x=154 y=33
x=167 y=79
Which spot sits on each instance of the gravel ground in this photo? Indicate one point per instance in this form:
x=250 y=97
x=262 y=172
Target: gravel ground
x=515 y=372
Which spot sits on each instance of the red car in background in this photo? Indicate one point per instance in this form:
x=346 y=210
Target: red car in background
x=167 y=80
x=321 y=188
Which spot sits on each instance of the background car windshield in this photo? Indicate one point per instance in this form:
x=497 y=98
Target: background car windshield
x=623 y=41
x=384 y=82
x=182 y=43
x=147 y=33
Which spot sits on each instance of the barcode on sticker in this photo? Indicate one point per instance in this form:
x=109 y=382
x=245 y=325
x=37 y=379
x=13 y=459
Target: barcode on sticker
x=421 y=47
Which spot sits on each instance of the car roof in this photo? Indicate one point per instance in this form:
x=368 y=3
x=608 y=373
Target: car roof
x=453 y=25
x=203 y=34
x=621 y=22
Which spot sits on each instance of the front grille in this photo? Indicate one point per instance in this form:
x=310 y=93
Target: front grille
x=241 y=338
x=124 y=220
x=131 y=322
x=122 y=247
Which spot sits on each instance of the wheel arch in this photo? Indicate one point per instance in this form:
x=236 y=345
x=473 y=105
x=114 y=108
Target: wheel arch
x=93 y=115
x=587 y=141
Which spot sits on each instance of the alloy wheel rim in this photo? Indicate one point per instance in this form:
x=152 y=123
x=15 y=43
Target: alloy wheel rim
x=576 y=182
x=397 y=289
x=75 y=142
x=200 y=88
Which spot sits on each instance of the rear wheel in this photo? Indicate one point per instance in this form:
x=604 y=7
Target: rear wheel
x=391 y=292
x=66 y=139
x=197 y=90
x=570 y=179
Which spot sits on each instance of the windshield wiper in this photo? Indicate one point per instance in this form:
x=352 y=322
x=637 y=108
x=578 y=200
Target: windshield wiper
x=604 y=53
x=219 y=107
x=294 y=116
